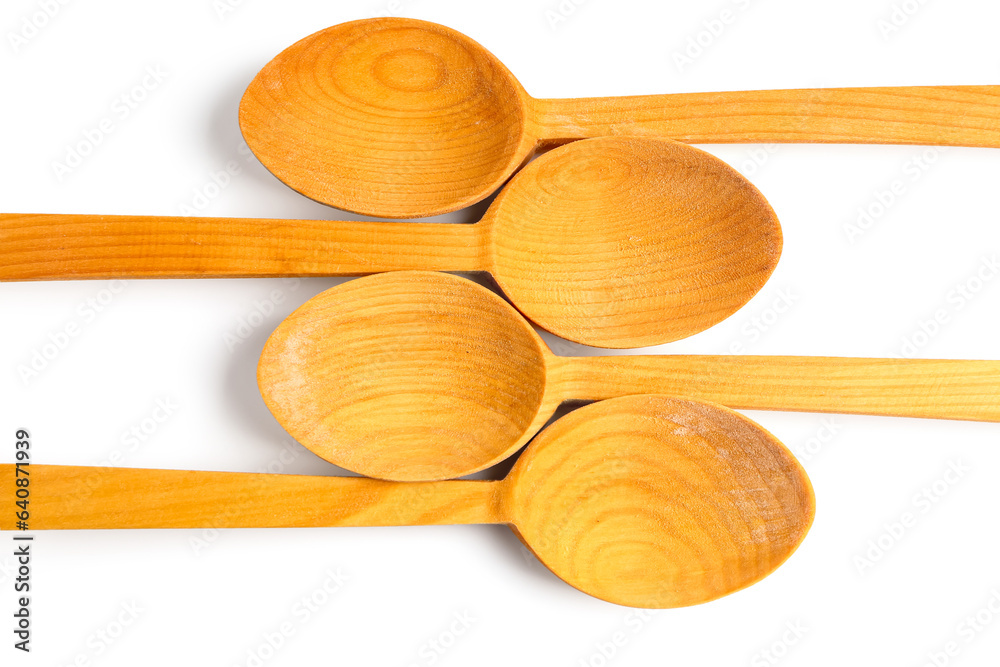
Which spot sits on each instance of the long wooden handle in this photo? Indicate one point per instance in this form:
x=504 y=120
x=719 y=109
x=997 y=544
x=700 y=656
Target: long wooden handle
x=60 y=247
x=71 y=497
x=939 y=389
x=929 y=115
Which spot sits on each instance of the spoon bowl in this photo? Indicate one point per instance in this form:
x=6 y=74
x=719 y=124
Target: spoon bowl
x=645 y=501
x=626 y=481
x=401 y=118
x=414 y=376
x=632 y=242
x=419 y=109
x=367 y=376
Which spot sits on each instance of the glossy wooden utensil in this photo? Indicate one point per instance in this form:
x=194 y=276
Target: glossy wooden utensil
x=610 y=242
x=421 y=376
x=401 y=118
x=644 y=501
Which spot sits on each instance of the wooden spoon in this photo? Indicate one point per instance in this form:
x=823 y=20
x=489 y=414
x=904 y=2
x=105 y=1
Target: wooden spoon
x=401 y=118
x=610 y=242
x=644 y=501
x=415 y=376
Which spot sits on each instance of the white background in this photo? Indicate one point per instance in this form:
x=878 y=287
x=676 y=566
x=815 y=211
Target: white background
x=210 y=598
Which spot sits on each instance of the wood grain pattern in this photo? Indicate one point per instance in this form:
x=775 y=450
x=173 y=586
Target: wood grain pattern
x=75 y=497
x=407 y=376
x=78 y=247
x=612 y=242
x=391 y=117
x=416 y=376
x=633 y=242
x=926 y=115
x=644 y=501
x=655 y=502
x=928 y=388
x=402 y=118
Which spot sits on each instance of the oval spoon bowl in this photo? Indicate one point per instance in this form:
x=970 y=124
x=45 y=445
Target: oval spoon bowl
x=419 y=111
x=656 y=502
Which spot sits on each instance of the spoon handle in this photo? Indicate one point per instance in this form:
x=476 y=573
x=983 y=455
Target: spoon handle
x=927 y=115
x=60 y=247
x=932 y=388
x=76 y=497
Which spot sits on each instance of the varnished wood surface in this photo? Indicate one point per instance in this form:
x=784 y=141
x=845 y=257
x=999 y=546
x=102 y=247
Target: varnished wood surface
x=422 y=376
x=401 y=118
x=613 y=242
x=645 y=501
